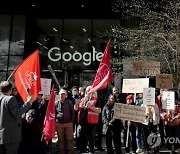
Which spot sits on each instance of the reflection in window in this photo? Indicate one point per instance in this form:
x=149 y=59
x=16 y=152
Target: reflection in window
x=4 y=34
x=87 y=79
x=49 y=36
x=2 y=76
x=3 y=62
x=77 y=38
x=15 y=47
x=18 y=35
x=14 y=61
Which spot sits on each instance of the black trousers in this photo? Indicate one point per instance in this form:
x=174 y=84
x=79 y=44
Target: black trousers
x=113 y=135
x=131 y=138
x=86 y=137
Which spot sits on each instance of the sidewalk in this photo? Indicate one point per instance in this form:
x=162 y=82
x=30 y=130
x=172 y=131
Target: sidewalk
x=55 y=150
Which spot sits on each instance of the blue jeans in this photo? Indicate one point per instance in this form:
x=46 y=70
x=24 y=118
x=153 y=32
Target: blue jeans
x=139 y=135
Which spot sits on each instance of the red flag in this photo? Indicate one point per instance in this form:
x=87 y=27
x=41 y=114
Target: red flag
x=49 y=121
x=27 y=76
x=104 y=72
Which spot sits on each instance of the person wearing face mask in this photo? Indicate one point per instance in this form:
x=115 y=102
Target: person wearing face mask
x=81 y=92
x=10 y=119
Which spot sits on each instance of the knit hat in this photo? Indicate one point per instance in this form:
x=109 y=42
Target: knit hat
x=130 y=97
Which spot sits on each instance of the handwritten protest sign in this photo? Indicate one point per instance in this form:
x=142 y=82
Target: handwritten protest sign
x=135 y=85
x=164 y=81
x=45 y=86
x=168 y=100
x=149 y=96
x=144 y=68
x=129 y=112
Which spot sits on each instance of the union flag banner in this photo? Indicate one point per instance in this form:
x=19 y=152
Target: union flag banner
x=49 y=121
x=27 y=76
x=104 y=73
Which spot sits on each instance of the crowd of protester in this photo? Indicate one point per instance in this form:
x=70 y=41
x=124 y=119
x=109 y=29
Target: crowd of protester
x=83 y=119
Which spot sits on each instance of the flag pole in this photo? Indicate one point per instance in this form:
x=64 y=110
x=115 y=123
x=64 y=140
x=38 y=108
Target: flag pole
x=10 y=75
x=127 y=137
x=54 y=76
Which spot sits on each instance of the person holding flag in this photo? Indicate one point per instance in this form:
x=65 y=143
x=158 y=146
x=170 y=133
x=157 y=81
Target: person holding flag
x=49 y=127
x=89 y=108
x=88 y=115
x=10 y=119
x=104 y=73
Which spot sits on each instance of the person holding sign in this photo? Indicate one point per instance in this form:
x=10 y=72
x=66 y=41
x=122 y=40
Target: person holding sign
x=150 y=125
x=171 y=119
x=111 y=126
x=132 y=128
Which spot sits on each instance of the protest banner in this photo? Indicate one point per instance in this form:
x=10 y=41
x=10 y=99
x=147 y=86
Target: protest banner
x=129 y=112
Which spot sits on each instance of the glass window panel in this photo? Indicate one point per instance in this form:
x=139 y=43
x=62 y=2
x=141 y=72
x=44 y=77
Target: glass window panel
x=100 y=27
x=87 y=78
x=49 y=36
x=18 y=35
x=2 y=76
x=14 y=61
x=4 y=34
x=3 y=62
x=77 y=41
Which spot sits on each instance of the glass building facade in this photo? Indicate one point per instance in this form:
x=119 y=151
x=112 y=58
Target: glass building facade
x=73 y=47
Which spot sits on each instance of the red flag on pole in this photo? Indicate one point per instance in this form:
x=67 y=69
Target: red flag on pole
x=49 y=121
x=104 y=72
x=27 y=76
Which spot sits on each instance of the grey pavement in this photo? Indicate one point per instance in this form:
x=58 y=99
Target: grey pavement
x=54 y=148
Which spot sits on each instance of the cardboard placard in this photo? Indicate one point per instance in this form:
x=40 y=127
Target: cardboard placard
x=144 y=68
x=129 y=112
x=164 y=81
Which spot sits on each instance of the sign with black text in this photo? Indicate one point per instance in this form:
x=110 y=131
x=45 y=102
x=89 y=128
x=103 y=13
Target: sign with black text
x=149 y=96
x=129 y=112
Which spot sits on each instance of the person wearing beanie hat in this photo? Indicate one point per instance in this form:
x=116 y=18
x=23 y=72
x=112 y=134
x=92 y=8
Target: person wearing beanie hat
x=132 y=128
x=130 y=99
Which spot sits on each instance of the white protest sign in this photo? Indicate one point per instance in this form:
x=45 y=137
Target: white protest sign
x=45 y=86
x=149 y=96
x=129 y=112
x=168 y=100
x=135 y=85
